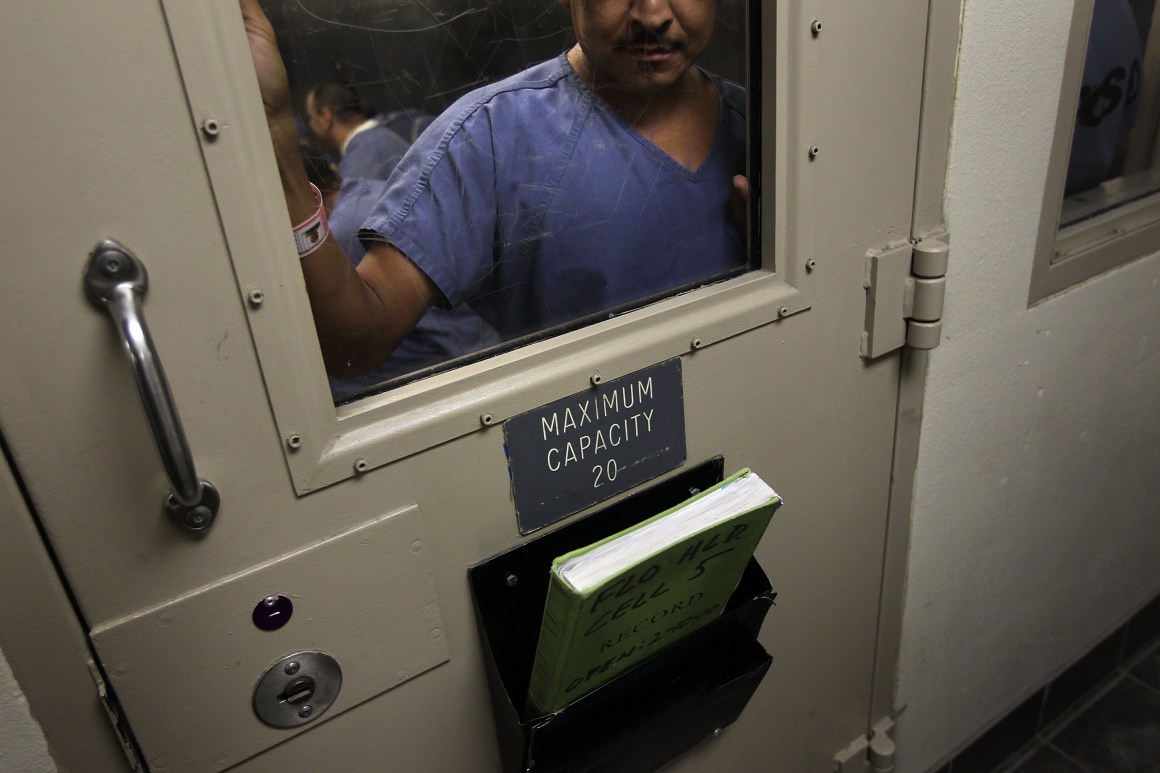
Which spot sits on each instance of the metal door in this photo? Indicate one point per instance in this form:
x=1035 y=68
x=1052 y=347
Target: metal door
x=140 y=122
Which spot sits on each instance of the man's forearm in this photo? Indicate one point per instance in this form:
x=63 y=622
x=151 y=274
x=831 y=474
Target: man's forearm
x=359 y=322
x=347 y=314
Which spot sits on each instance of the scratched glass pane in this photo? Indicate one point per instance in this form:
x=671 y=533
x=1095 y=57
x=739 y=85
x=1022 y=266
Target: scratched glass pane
x=1115 y=158
x=408 y=61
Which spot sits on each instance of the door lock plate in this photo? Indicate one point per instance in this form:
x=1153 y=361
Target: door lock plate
x=297 y=689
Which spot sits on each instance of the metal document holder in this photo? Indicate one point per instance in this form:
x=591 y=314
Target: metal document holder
x=648 y=715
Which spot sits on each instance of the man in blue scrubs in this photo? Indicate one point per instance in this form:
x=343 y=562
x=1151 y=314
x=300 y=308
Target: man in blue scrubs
x=441 y=334
x=362 y=145
x=600 y=177
x=368 y=152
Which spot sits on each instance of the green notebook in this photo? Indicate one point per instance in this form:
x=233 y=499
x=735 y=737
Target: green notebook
x=615 y=602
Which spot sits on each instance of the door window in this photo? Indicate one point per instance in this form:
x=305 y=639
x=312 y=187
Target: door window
x=1108 y=181
x=533 y=216
x=433 y=54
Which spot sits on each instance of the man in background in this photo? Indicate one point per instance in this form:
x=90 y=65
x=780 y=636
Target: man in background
x=363 y=146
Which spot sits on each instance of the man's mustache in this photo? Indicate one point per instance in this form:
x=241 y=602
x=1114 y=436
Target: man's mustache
x=650 y=39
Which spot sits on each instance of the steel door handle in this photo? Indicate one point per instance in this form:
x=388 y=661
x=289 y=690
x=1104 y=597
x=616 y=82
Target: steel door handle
x=117 y=280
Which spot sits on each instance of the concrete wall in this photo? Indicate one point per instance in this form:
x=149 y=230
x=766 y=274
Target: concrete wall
x=1035 y=527
x=22 y=746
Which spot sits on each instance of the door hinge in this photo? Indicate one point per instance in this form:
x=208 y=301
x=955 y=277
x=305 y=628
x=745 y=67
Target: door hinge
x=871 y=753
x=116 y=717
x=905 y=286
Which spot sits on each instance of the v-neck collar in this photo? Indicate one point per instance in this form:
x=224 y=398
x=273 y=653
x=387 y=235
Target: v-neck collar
x=694 y=175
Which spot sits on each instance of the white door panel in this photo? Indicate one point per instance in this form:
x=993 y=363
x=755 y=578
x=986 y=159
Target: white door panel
x=365 y=598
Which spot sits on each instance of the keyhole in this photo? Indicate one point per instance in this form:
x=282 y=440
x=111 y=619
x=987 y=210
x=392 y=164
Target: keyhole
x=297 y=691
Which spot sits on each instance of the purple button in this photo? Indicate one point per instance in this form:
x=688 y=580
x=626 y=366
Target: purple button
x=273 y=612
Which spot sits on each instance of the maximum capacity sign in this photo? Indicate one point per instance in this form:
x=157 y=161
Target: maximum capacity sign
x=582 y=449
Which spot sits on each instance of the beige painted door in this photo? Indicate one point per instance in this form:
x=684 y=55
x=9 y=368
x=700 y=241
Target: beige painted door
x=139 y=121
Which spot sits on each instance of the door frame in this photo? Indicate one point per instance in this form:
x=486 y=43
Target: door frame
x=44 y=640
x=944 y=25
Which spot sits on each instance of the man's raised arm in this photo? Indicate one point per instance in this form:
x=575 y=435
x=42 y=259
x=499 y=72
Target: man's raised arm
x=361 y=315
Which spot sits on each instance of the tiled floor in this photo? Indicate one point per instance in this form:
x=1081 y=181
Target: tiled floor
x=1116 y=730
x=1100 y=715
